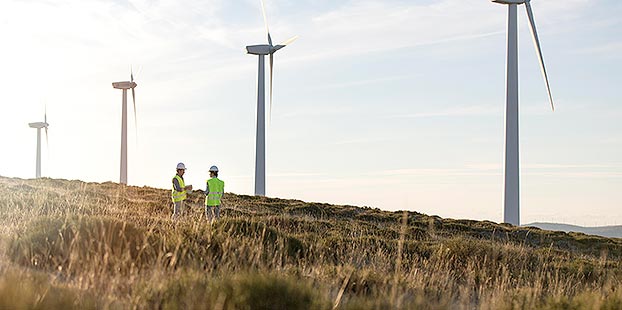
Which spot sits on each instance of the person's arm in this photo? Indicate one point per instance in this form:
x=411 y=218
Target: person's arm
x=222 y=195
x=176 y=185
x=206 y=189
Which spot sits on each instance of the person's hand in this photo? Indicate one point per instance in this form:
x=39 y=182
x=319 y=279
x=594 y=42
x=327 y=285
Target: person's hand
x=189 y=187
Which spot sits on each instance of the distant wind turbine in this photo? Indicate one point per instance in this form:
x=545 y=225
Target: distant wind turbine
x=260 y=144
x=511 y=197
x=125 y=86
x=40 y=125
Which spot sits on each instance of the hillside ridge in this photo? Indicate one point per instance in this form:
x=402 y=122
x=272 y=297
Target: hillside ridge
x=611 y=231
x=237 y=204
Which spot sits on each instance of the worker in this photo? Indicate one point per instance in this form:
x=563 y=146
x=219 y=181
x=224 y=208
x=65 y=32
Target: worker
x=179 y=192
x=213 y=195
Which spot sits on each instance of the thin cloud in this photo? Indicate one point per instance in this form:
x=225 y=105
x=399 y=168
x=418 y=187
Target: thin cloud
x=535 y=166
x=439 y=172
x=369 y=81
x=357 y=28
x=492 y=169
x=573 y=166
x=295 y=174
x=570 y=174
x=610 y=49
x=454 y=111
x=362 y=141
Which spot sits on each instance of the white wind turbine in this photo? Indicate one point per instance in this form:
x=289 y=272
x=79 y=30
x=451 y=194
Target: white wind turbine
x=125 y=86
x=260 y=144
x=511 y=197
x=40 y=125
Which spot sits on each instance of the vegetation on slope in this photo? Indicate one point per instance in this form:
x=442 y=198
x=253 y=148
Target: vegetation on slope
x=71 y=244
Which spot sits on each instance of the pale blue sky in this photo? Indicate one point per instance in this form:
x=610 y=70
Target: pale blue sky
x=385 y=103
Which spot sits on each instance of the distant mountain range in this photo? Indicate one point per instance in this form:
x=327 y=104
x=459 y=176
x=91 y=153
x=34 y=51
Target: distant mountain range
x=604 y=231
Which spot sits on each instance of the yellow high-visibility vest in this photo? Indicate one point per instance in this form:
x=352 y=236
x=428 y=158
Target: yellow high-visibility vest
x=178 y=196
x=216 y=189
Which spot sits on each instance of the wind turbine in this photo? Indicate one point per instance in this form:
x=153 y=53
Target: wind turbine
x=125 y=86
x=40 y=125
x=511 y=206
x=262 y=50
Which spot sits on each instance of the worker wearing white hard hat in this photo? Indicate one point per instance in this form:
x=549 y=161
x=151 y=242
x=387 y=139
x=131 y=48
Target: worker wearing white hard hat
x=214 y=191
x=180 y=191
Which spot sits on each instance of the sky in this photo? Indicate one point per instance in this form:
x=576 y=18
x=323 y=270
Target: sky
x=391 y=104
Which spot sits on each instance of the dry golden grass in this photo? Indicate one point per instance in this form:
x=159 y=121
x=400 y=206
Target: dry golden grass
x=71 y=244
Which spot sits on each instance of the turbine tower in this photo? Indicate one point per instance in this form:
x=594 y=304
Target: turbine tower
x=260 y=142
x=125 y=86
x=40 y=125
x=511 y=197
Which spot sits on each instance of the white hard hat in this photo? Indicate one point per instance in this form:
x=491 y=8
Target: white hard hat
x=213 y=169
x=181 y=166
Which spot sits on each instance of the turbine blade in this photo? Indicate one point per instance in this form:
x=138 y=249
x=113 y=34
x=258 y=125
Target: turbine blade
x=131 y=74
x=289 y=41
x=536 y=42
x=45 y=120
x=140 y=70
x=135 y=118
x=265 y=20
x=285 y=43
x=271 y=75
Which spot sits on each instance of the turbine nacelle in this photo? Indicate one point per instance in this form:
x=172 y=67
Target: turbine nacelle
x=261 y=49
x=124 y=85
x=39 y=125
x=510 y=1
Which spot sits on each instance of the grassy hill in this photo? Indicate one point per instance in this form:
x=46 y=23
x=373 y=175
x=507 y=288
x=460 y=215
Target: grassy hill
x=605 y=231
x=69 y=244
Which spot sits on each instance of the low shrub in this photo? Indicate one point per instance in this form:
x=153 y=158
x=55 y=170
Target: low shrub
x=78 y=244
x=247 y=291
x=20 y=290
